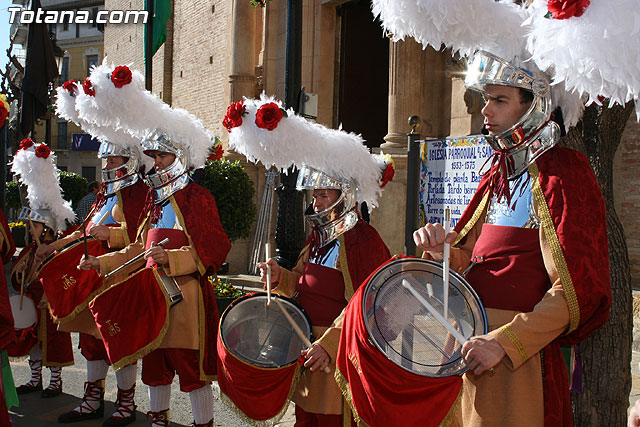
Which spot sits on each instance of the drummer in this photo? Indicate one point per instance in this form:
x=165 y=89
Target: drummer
x=197 y=246
x=340 y=253
x=48 y=212
x=537 y=261
x=7 y=333
x=113 y=220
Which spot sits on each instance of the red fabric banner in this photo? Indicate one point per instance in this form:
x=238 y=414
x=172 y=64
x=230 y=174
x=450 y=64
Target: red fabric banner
x=68 y=289
x=260 y=393
x=132 y=317
x=380 y=392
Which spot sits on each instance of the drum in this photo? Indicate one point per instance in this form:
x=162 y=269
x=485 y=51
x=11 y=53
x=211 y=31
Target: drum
x=25 y=322
x=402 y=307
x=396 y=341
x=259 y=356
x=132 y=316
x=24 y=316
x=68 y=289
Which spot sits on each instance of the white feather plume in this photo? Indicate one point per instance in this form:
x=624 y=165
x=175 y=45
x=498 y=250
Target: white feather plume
x=67 y=108
x=462 y=25
x=596 y=54
x=42 y=180
x=296 y=141
x=137 y=111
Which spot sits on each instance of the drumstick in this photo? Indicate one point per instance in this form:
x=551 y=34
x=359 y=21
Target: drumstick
x=456 y=334
x=22 y=287
x=267 y=253
x=445 y=263
x=84 y=239
x=296 y=328
x=36 y=238
x=136 y=258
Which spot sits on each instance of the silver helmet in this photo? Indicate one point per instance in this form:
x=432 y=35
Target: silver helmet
x=43 y=216
x=173 y=178
x=533 y=133
x=122 y=176
x=338 y=218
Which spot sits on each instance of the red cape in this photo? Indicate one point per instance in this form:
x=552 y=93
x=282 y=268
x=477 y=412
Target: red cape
x=133 y=198
x=572 y=212
x=7 y=249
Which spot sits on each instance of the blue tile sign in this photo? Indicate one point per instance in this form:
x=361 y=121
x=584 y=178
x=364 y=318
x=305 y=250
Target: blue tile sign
x=450 y=172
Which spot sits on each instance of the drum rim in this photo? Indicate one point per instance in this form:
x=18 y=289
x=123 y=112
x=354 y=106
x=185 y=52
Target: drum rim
x=62 y=250
x=468 y=287
x=251 y=295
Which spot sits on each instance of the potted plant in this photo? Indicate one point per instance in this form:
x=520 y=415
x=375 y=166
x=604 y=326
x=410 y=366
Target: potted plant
x=233 y=190
x=19 y=233
x=225 y=292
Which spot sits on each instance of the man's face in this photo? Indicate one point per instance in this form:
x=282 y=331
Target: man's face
x=114 y=162
x=503 y=108
x=324 y=198
x=162 y=160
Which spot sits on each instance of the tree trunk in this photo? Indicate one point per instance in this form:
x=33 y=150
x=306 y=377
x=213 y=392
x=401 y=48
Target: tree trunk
x=606 y=355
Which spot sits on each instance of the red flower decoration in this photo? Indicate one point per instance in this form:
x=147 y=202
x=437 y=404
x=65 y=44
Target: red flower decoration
x=43 y=151
x=268 y=116
x=217 y=153
x=234 y=115
x=88 y=87
x=26 y=143
x=121 y=76
x=387 y=175
x=565 y=9
x=70 y=87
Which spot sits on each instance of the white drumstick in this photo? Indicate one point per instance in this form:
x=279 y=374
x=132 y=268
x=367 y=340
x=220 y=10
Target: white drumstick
x=453 y=331
x=297 y=329
x=445 y=263
x=268 y=253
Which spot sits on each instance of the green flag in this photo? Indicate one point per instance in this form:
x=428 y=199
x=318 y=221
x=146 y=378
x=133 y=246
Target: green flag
x=161 y=14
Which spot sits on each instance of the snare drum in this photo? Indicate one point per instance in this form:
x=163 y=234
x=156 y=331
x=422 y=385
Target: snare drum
x=259 y=355
x=68 y=289
x=25 y=323
x=395 y=342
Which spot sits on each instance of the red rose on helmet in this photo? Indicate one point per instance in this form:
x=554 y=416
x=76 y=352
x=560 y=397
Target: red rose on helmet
x=121 y=76
x=217 y=153
x=70 y=87
x=234 y=115
x=43 y=151
x=26 y=143
x=565 y=9
x=268 y=116
x=387 y=175
x=88 y=87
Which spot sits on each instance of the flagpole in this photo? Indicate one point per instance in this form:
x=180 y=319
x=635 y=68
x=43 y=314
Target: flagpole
x=148 y=47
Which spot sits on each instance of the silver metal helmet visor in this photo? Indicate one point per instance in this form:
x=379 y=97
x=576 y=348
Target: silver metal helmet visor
x=313 y=179
x=487 y=69
x=43 y=216
x=158 y=140
x=108 y=149
x=167 y=181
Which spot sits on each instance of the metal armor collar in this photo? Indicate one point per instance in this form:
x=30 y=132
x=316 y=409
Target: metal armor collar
x=113 y=186
x=519 y=159
x=326 y=229
x=167 y=181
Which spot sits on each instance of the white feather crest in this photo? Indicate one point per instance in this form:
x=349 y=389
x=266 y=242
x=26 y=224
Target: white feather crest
x=43 y=184
x=596 y=54
x=458 y=24
x=297 y=141
x=137 y=111
x=67 y=108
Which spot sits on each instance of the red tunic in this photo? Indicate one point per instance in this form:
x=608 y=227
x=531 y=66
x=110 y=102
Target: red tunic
x=7 y=249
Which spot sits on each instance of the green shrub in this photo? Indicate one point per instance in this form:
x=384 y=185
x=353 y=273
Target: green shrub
x=233 y=190
x=12 y=195
x=74 y=187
